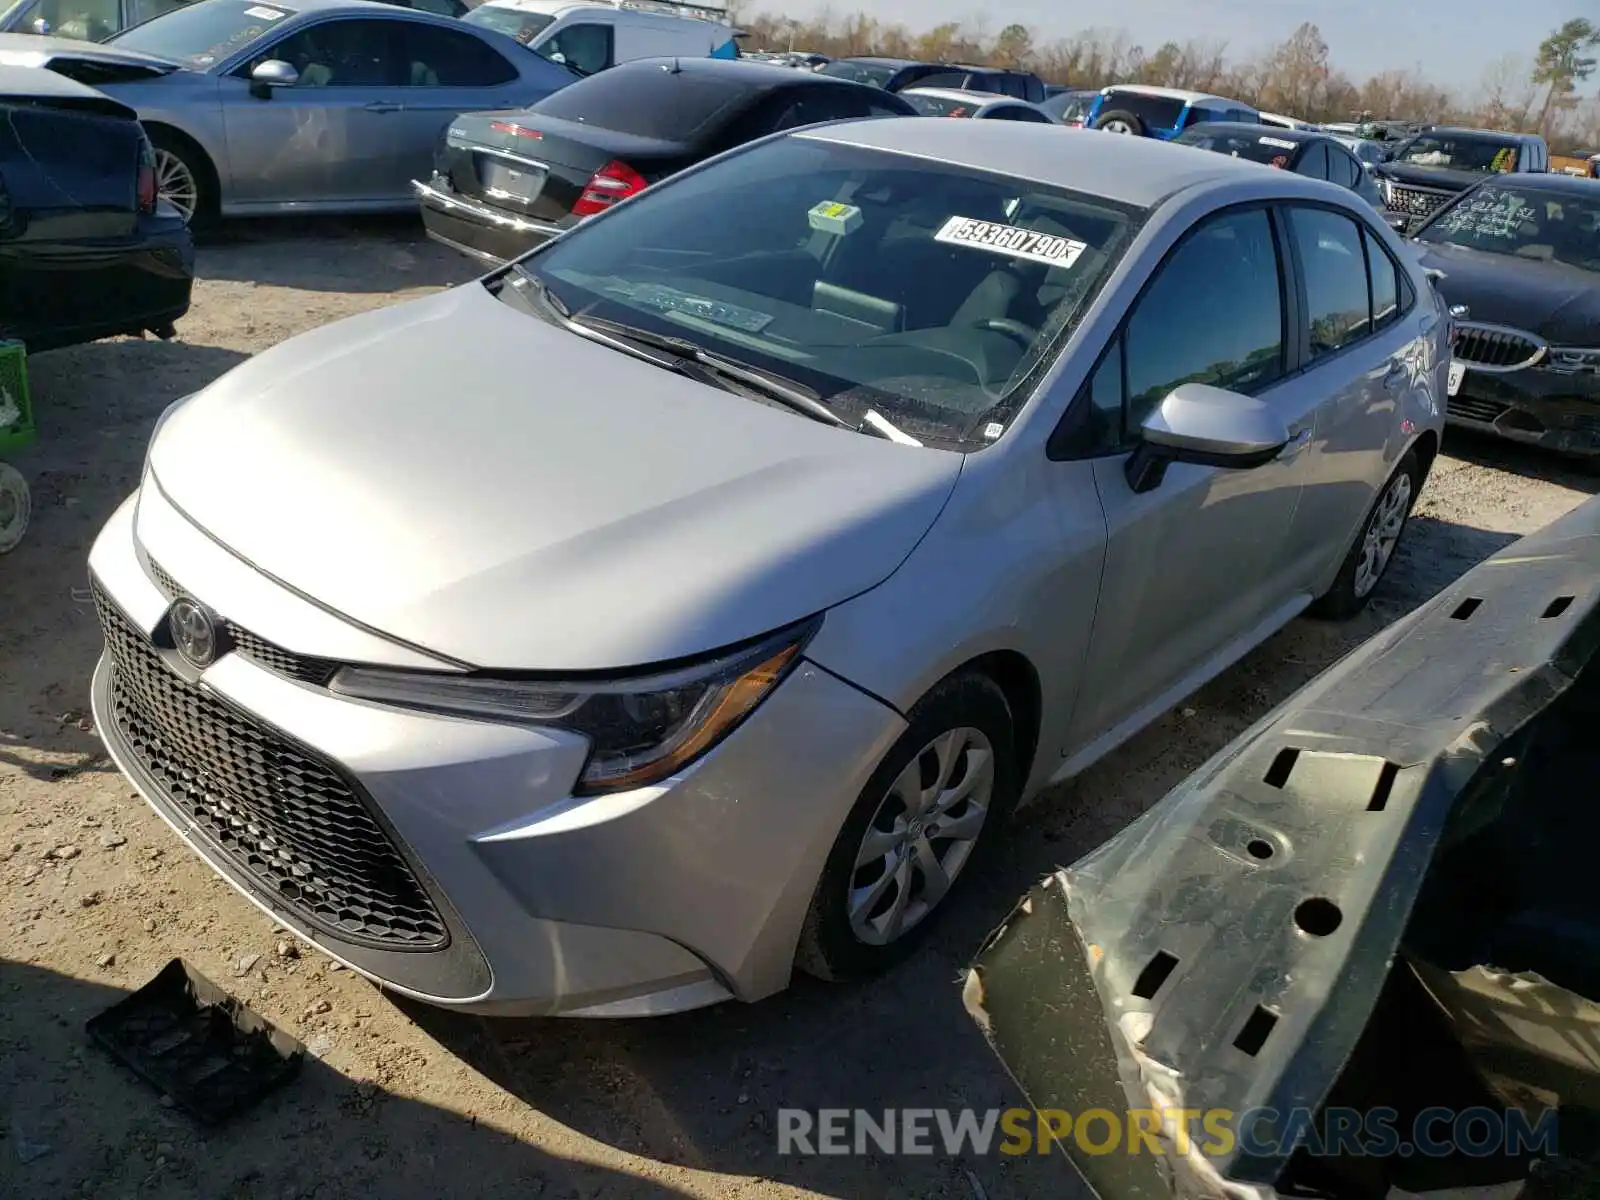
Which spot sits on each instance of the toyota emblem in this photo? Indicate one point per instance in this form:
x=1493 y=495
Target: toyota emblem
x=193 y=632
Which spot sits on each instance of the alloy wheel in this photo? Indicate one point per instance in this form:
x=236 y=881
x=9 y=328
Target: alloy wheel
x=1383 y=533
x=175 y=183
x=1115 y=127
x=921 y=836
x=14 y=507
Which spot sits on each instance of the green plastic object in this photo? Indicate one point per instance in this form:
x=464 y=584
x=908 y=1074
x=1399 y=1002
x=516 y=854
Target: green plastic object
x=16 y=411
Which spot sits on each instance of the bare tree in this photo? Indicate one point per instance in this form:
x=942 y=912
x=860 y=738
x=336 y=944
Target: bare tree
x=1508 y=93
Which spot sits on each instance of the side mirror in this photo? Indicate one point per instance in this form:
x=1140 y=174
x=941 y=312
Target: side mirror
x=274 y=73
x=1206 y=425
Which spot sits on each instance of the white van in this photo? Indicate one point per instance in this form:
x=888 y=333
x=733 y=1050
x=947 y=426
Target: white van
x=591 y=35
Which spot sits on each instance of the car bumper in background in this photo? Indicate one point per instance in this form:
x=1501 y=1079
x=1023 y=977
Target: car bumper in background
x=478 y=229
x=446 y=858
x=1236 y=952
x=1538 y=408
x=63 y=293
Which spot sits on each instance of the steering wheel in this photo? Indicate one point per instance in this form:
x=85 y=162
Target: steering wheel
x=1012 y=329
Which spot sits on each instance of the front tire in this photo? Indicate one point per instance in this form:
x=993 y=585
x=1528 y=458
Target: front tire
x=1369 y=558
x=929 y=813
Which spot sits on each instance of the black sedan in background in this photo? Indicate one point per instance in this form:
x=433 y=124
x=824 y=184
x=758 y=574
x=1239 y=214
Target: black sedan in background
x=1518 y=258
x=504 y=182
x=87 y=249
x=1316 y=155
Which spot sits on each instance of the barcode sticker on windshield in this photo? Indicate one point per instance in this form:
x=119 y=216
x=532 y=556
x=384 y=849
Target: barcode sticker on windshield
x=264 y=14
x=1011 y=240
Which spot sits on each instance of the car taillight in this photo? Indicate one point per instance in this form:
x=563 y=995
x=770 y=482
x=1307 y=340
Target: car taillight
x=147 y=178
x=612 y=182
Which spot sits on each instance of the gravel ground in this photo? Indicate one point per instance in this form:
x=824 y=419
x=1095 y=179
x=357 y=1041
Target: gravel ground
x=96 y=895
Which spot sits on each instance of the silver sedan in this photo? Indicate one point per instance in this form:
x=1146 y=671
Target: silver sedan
x=694 y=597
x=310 y=106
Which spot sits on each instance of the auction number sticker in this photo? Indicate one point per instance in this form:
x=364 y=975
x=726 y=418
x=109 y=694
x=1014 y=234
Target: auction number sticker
x=1458 y=372
x=264 y=14
x=1011 y=240
x=1280 y=143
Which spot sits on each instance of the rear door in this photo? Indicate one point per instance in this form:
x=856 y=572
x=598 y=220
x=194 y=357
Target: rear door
x=447 y=72
x=1196 y=563
x=333 y=137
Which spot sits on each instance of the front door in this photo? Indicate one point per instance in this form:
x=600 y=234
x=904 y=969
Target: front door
x=1196 y=564
x=333 y=137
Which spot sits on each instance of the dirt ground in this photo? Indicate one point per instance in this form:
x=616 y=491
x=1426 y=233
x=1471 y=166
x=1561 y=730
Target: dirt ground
x=96 y=894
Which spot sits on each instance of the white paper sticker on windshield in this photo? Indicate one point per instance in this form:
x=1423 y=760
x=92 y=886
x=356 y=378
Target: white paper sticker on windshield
x=265 y=14
x=1280 y=143
x=1011 y=241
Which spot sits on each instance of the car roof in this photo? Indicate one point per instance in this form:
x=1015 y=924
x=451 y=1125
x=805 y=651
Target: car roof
x=961 y=94
x=1502 y=134
x=1130 y=170
x=1167 y=93
x=886 y=62
x=1251 y=127
x=758 y=73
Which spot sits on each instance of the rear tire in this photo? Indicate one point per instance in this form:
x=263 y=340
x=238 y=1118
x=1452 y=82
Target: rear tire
x=925 y=821
x=1369 y=558
x=186 y=178
x=1119 y=120
x=15 y=507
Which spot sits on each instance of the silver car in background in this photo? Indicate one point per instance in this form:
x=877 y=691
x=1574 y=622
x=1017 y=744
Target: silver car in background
x=695 y=596
x=313 y=106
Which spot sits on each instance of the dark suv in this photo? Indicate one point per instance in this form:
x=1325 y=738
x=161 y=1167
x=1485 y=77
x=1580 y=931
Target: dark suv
x=1432 y=167
x=897 y=74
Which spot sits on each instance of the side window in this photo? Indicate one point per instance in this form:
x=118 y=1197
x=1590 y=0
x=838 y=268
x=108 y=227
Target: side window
x=140 y=11
x=1342 y=169
x=1015 y=112
x=585 y=47
x=1012 y=85
x=1213 y=314
x=1106 y=432
x=1334 y=264
x=85 y=20
x=1385 y=284
x=1313 y=161
x=437 y=57
x=354 y=53
x=950 y=79
x=443 y=8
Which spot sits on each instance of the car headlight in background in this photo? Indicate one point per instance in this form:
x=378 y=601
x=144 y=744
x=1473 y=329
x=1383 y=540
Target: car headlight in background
x=641 y=729
x=1570 y=360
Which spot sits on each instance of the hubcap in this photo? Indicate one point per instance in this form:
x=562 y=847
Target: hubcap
x=1383 y=532
x=176 y=183
x=1116 y=127
x=14 y=506
x=921 y=836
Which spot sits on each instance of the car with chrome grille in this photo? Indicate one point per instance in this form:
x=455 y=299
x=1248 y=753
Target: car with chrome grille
x=1430 y=168
x=1518 y=261
x=692 y=598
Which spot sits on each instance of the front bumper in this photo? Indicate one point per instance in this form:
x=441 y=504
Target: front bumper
x=478 y=229
x=1537 y=408
x=522 y=900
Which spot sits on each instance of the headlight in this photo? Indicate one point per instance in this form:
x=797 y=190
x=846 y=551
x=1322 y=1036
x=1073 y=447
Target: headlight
x=1569 y=360
x=640 y=729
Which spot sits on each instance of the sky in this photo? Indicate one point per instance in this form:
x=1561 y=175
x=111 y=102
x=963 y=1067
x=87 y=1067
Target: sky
x=1451 y=42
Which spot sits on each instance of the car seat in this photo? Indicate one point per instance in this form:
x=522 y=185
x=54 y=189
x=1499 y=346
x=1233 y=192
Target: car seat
x=422 y=75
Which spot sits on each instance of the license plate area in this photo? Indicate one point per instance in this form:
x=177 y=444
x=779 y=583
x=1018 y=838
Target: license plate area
x=1458 y=372
x=517 y=182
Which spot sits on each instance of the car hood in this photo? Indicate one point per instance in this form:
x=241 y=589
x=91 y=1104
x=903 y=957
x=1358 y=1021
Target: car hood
x=1434 y=177
x=106 y=63
x=483 y=485
x=1560 y=303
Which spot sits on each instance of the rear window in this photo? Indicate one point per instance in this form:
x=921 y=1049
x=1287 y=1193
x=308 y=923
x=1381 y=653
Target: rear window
x=646 y=101
x=513 y=22
x=1162 y=112
x=855 y=72
x=939 y=106
x=1261 y=148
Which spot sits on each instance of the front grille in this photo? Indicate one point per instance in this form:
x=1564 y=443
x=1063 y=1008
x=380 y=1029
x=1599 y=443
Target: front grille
x=1495 y=347
x=288 y=820
x=1470 y=408
x=304 y=667
x=1415 y=202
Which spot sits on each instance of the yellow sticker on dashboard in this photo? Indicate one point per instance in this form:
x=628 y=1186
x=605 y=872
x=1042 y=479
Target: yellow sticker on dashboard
x=834 y=216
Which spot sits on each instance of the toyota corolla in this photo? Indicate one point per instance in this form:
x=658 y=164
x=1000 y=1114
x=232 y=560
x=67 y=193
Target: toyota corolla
x=693 y=597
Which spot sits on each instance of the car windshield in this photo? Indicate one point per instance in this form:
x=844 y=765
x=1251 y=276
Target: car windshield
x=1459 y=152
x=513 y=22
x=929 y=293
x=940 y=106
x=1546 y=226
x=1264 y=148
x=201 y=35
x=858 y=72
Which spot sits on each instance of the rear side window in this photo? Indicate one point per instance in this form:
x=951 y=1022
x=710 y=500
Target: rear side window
x=1334 y=264
x=1213 y=314
x=1385 y=282
x=437 y=57
x=646 y=101
x=814 y=105
x=1161 y=112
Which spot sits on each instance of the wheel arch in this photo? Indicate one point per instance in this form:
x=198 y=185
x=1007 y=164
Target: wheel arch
x=159 y=130
x=1015 y=675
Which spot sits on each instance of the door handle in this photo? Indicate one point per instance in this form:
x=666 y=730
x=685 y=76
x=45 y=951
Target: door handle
x=382 y=106
x=1294 y=445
